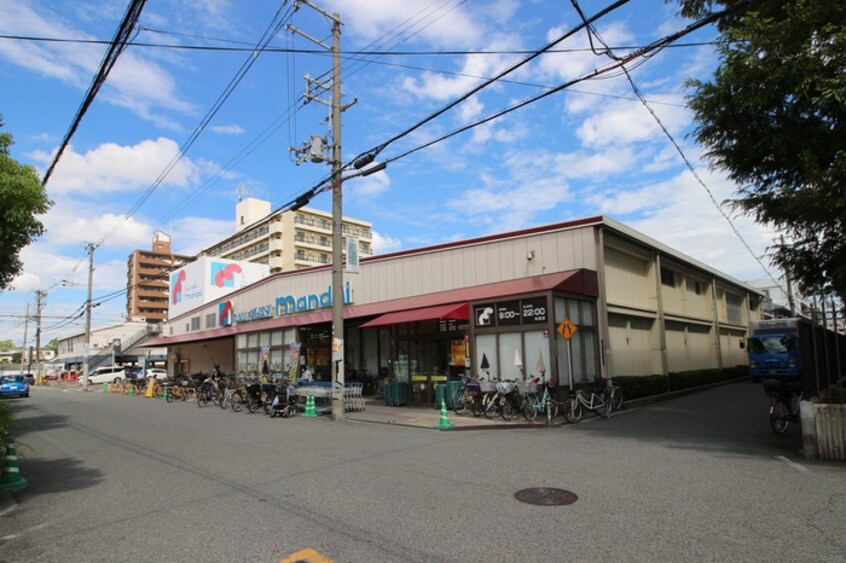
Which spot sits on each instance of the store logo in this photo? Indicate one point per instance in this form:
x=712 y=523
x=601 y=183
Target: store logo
x=176 y=283
x=292 y=304
x=223 y=274
x=484 y=316
x=225 y=314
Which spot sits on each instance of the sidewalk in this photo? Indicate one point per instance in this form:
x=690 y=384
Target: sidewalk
x=377 y=412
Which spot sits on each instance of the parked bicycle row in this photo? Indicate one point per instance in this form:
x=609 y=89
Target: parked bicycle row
x=510 y=398
x=274 y=398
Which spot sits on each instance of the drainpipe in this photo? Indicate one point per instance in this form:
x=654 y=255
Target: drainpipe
x=605 y=371
x=662 y=329
x=718 y=345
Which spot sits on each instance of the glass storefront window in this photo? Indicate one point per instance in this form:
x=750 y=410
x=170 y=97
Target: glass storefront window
x=264 y=339
x=485 y=353
x=511 y=356
x=536 y=352
x=277 y=338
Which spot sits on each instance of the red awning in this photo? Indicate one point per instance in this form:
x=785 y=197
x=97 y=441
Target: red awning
x=455 y=311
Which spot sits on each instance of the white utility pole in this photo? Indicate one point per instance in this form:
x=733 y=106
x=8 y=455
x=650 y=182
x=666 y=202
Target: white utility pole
x=313 y=150
x=25 y=350
x=39 y=295
x=86 y=346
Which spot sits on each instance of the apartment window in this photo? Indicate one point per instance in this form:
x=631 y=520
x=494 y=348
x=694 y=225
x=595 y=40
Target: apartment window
x=211 y=320
x=668 y=277
x=733 y=305
x=195 y=323
x=698 y=288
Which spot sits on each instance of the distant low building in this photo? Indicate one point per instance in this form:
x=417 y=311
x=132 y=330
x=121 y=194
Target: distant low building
x=119 y=342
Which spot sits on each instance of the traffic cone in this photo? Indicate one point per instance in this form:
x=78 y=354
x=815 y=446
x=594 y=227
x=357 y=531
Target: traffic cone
x=11 y=479
x=310 y=410
x=166 y=393
x=104 y=388
x=131 y=391
x=444 y=424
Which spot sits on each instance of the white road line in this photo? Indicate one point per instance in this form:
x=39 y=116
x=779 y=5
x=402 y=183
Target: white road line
x=792 y=464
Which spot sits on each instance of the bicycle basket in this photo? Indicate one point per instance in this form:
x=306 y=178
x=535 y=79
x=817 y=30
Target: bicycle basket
x=505 y=387
x=526 y=387
x=487 y=386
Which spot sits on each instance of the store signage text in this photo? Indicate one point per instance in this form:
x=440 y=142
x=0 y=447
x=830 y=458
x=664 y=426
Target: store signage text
x=253 y=314
x=511 y=313
x=289 y=304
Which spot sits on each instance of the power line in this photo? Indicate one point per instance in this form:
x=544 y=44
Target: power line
x=637 y=92
x=450 y=53
x=117 y=45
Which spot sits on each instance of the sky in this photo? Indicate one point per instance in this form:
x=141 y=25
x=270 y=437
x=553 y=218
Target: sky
x=590 y=149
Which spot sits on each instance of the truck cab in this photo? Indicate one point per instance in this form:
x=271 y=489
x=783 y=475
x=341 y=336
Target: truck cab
x=774 y=349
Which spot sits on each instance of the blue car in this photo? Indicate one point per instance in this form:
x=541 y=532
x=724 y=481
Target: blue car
x=14 y=386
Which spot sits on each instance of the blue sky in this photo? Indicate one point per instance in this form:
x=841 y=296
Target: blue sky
x=589 y=150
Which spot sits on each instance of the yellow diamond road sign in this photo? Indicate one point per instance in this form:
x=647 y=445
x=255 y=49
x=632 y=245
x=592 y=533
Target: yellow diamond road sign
x=567 y=329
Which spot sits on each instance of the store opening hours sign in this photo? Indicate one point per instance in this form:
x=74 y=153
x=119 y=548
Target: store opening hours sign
x=533 y=310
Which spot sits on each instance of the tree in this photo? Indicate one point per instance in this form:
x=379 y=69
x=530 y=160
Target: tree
x=7 y=344
x=53 y=345
x=774 y=118
x=22 y=197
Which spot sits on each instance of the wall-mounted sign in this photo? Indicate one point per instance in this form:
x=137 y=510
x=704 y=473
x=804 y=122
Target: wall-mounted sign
x=289 y=304
x=529 y=311
x=508 y=313
x=484 y=315
x=533 y=310
x=254 y=314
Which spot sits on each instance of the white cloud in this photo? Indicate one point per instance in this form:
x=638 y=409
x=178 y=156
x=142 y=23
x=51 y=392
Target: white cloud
x=383 y=244
x=438 y=23
x=134 y=83
x=115 y=168
x=232 y=129
x=629 y=121
x=192 y=234
x=368 y=187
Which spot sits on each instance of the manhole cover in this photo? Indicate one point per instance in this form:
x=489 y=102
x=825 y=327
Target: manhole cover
x=546 y=496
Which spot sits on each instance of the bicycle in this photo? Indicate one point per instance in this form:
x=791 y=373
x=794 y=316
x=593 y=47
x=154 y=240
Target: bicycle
x=616 y=393
x=784 y=403
x=469 y=395
x=599 y=402
x=532 y=404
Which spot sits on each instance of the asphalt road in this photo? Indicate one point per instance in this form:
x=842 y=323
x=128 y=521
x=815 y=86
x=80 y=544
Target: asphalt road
x=702 y=477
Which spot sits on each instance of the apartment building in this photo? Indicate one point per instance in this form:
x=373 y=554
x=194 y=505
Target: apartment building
x=147 y=283
x=286 y=240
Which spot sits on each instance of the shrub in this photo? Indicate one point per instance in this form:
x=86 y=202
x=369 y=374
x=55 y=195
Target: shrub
x=7 y=419
x=636 y=386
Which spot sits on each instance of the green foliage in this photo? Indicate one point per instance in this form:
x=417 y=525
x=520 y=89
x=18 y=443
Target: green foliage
x=637 y=386
x=7 y=344
x=774 y=118
x=22 y=197
x=7 y=421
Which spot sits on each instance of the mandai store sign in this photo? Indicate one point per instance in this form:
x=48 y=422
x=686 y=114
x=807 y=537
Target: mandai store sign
x=285 y=305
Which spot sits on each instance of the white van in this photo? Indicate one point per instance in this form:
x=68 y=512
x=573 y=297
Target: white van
x=105 y=374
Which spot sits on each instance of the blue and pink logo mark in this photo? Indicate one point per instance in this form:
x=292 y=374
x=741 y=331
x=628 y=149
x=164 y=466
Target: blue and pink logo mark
x=177 y=282
x=225 y=314
x=223 y=274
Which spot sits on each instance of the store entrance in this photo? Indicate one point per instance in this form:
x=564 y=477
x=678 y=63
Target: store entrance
x=429 y=358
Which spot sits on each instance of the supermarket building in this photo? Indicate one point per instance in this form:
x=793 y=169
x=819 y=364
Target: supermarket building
x=503 y=305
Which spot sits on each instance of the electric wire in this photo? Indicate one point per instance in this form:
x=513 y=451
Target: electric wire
x=637 y=92
x=117 y=46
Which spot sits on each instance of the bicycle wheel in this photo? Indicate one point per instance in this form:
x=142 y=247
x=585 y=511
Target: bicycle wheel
x=236 y=402
x=268 y=401
x=617 y=398
x=489 y=405
x=552 y=410
x=459 y=404
x=529 y=407
x=603 y=409
x=572 y=410
x=506 y=408
x=476 y=406
x=780 y=417
x=202 y=398
x=252 y=404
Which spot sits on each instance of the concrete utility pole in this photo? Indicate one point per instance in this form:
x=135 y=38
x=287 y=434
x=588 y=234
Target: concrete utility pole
x=24 y=352
x=86 y=346
x=39 y=295
x=337 y=368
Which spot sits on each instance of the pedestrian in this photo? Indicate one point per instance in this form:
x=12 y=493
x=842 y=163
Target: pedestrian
x=307 y=374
